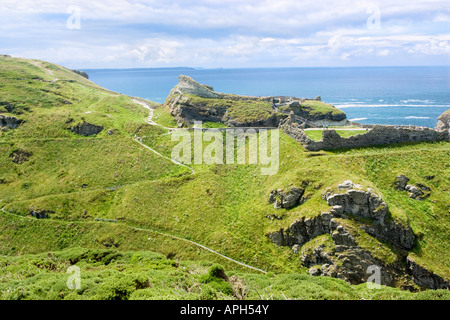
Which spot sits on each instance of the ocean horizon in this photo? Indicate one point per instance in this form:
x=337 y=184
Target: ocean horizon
x=370 y=95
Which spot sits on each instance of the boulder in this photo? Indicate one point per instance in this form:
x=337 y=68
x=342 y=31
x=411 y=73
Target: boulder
x=346 y=185
x=286 y=199
x=414 y=192
x=86 y=129
x=361 y=204
x=9 y=122
x=39 y=214
x=418 y=191
x=400 y=182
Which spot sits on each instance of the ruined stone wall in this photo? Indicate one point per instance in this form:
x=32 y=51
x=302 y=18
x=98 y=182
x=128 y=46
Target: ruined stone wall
x=379 y=135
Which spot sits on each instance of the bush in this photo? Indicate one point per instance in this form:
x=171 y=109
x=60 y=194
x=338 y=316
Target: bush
x=117 y=288
x=215 y=281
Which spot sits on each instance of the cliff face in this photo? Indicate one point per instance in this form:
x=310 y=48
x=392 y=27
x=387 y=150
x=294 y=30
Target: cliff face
x=443 y=121
x=191 y=101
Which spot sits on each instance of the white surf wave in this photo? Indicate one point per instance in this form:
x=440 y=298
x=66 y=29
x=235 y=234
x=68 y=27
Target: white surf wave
x=416 y=100
x=357 y=119
x=414 y=117
x=342 y=106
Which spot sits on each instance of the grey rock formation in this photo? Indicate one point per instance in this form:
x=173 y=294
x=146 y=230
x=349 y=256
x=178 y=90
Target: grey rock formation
x=414 y=192
x=400 y=182
x=190 y=86
x=347 y=260
x=426 y=278
x=393 y=232
x=39 y=214
x=9 y=122
x=443 y=121
x=302 y=231
x=417 y=191
x=86 y=129
x=346 y=185
x=286 y=199
x=360 y=204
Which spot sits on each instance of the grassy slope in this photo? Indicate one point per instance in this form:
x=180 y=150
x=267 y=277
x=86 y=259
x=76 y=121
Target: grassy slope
x=316 y=108
x=221 y=206
x=240 y=111
x=316 y=135
x=137 y=275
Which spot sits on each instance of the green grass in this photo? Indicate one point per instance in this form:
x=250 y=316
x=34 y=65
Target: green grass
x=318 y=108
x=150 y=275
x=315 y=108
x=316 y=135
x=162 y=116
x=225 y=207
x=238 y=111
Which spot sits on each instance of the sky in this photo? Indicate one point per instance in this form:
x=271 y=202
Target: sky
x=87 y=34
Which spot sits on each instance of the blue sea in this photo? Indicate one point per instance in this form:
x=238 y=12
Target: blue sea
x=369 y=95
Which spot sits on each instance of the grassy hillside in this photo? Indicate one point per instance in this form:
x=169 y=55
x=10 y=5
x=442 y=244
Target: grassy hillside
x=160 y=206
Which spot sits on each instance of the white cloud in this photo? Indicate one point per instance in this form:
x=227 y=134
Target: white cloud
x=209 y=33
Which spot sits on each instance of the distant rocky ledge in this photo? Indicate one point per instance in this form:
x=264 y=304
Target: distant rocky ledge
x=81 y=73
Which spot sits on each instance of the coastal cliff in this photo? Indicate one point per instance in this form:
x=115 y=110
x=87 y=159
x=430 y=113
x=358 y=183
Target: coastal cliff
x=191 y=101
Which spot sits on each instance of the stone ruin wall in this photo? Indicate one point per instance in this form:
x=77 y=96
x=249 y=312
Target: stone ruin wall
x=379 y=135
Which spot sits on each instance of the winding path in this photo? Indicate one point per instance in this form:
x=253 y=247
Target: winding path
x=153 y=123
x=170 y=236
x=138 y=140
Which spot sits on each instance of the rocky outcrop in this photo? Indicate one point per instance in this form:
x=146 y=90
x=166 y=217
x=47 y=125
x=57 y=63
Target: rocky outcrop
x=302 y=231
x=346 y=259
x=402 y=237
x=190 y=86
x=443 y=121
x=286 y=199
x=417 y=191
x=378 y=135
x=361 y=204
x=349 y=263
x=186 y=106
x=365 y=204
x=9 y=122
x=329 y=117
x=426 y=278
x=81 y=73
x=400 y=182
x=86 y=129
x=20 y=156
x=39 y=214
